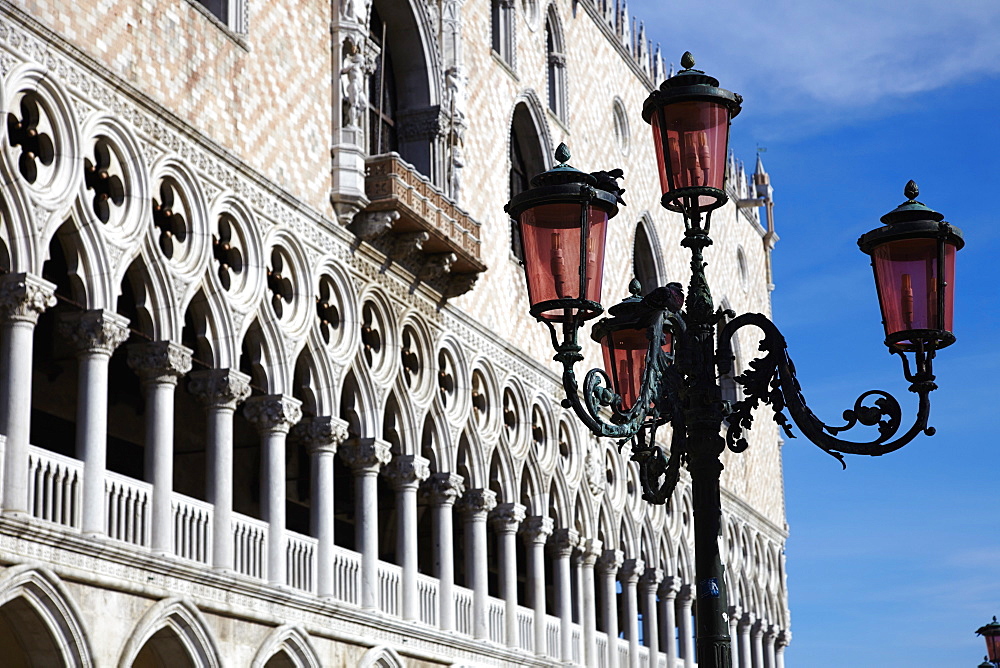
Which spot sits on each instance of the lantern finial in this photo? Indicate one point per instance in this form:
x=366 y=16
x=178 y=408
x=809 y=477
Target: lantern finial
x=562 y=153
x=911 y=190
x=635 y=287
x=687 y=60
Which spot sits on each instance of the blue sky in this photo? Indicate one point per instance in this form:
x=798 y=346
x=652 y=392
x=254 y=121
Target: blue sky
x=895 y=561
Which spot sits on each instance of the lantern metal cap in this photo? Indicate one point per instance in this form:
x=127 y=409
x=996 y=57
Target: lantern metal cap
x=563 y=173
x=637 y=312
x=911 y=209
x=690 y=84
x=911 y=220
x=991 y=629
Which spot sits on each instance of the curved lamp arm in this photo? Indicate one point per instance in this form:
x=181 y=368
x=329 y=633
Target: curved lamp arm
x=771 y=379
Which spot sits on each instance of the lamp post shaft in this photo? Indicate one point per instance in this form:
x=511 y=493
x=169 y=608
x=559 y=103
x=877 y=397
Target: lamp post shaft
x=703 y=417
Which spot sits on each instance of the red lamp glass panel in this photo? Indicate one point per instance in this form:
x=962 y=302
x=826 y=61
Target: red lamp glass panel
x=551 y=237
x=993 y=646
x=691 y=140
x=625 y=362
x=906 y=274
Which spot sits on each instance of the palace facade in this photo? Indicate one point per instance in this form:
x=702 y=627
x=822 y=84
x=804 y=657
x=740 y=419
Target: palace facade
x=271 y=395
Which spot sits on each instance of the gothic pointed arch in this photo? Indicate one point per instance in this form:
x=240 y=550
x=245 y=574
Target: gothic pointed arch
x=39 y=619
x=647 y=261
x=381 y=657
x=529 y=150
x=532 y=495
x=288 y=646
x=501 y=479
x=555 y=55
x=173 y=633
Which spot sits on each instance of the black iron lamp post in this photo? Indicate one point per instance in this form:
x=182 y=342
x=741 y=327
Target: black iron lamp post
x=991 y=632
x=664 y=353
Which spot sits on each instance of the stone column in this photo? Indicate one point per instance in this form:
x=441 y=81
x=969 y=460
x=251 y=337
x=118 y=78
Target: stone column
x=94 y=335
x=757 y=638
x=405 y=473
x=366 y=458
x=159 y=365
x=686 y=600
x=23 y=297
x=734 y=634
x=562 y=544
x=648 y=586
x=273 y=416
x=506 y=519
x=220 y=390
x=629 y=575
x=668 y=604
x=442 y=491
x=783 y=641
x=322 y=436
x=770 y=636
x=746 y=654
x=475 y=506
x=590 y=550
x=536 y=531
x=607 y=572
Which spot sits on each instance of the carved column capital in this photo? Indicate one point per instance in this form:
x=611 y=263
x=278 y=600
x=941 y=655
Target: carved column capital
x=589 y=549
x=443 y=489
x=321 y=434
x=536 y=529
x=735 y=612
x=747 y=621
x=507 y=517
x=770 y=632
x=563 y=542
x=610 y=561
x=631 y=570
x=365 y=455
x=407 y=471
x=23 y=297
x=784 y=639
x=757 y=629
x=159 y=361
x=219 y=388
x=94 y=332
x=670 y=586
x=650 y=580
x=477 y=503
x=273 y=413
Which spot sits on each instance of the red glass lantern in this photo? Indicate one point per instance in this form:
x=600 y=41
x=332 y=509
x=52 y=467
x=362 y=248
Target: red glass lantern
x=913 y=257
x=625 y=342
x=690 y=117
x=991 y=632
x=563 y=221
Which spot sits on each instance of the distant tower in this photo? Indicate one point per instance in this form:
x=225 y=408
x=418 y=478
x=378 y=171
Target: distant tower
x=764 y=192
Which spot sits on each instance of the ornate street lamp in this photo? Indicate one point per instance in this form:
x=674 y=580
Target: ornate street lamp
x=991 y=632
x=663 y=354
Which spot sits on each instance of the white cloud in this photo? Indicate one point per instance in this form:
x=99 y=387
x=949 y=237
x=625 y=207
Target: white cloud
x=824 y=63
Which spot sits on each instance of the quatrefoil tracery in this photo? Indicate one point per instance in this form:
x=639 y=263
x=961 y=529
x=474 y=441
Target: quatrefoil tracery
x=102 y=177
x=29 y=133
x=280 y=285
x=227 y=253
x=168 y=217
x=410 y=358
x=326 y=309
x=446 y=377
x=371 y=337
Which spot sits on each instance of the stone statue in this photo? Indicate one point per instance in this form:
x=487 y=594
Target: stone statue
x=352 y=85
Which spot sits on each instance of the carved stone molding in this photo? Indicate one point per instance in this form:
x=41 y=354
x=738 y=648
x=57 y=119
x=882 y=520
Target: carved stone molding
x=535 y=530
x=651 y=577
x=670 y=586
x=631 y=570
x=159 y=361
x=273 y=413
x=219 y=388
x=477 y=503
x=436 y=265
x=563 y=542
x=97 y=332
x=443 y=489
x=407 y=471
x=370 y=225
x=507 y=517
x=23 y=297
x=610 y=561
x=365 y=455
x=589 y=550
x=321 y=434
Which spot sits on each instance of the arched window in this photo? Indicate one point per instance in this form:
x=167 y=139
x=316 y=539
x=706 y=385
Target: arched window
x=644 y=265
x=526 y=160
x=382 y=135
x=502 y=29
x=231 y=12
x=556 y=62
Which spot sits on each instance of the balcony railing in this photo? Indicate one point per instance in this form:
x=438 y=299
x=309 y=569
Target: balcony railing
x=429 y=224
x=54 y=495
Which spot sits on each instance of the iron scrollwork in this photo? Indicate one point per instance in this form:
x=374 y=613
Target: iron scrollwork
x=771 y=380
